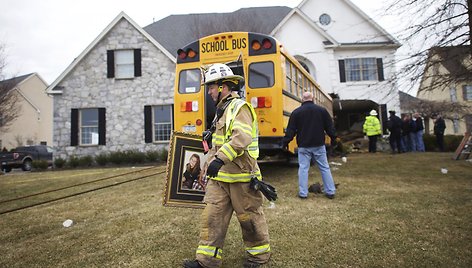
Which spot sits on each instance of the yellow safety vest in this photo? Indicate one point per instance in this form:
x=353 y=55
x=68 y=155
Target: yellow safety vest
x=222 y=141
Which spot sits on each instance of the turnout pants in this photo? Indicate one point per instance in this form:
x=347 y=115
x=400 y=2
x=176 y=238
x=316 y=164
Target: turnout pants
x=221 y=200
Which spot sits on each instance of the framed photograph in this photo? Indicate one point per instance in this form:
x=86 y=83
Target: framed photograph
x=186 y=167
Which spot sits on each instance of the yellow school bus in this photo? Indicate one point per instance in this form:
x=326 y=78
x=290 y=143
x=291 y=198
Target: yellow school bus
x=274 y=84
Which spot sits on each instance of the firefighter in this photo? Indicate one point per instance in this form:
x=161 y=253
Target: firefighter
x=232 y=165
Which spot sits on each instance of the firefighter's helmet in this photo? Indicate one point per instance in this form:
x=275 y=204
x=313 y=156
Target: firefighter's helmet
x=219 y=71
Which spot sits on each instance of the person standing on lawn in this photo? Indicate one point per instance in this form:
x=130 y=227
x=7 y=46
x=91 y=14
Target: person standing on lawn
x=372 y=129
x=310 y=123
x=232 y=169
x=394 y=125
x=418 y=133
x=439 y=127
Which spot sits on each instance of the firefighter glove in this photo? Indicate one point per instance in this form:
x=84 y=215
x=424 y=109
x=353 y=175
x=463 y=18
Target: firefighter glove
x=266 y=189
x=214 y=167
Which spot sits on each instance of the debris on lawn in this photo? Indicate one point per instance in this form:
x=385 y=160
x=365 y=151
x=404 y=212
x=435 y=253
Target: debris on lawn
x=67 y=223
x=443 y=170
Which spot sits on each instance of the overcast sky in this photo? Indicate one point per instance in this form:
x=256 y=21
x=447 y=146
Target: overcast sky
x=45 y=36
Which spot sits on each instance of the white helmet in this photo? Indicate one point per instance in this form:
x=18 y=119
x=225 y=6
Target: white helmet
x=219 y=71
x=373 y=112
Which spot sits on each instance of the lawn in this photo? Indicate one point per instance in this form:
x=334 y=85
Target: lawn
x=390 y=211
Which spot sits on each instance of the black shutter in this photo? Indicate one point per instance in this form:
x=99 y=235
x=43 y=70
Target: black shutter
x=74 y=127
x=110 y=63
x=148 y=124
x=137 y=62
x=380 y=69
x=102 y=126
x=342 y=71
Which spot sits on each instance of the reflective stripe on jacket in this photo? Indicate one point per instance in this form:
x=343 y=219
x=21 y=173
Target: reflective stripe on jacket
x=372 y=126
x=236 y=143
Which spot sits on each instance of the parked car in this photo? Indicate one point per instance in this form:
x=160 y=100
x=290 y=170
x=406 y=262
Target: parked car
x=23 y=157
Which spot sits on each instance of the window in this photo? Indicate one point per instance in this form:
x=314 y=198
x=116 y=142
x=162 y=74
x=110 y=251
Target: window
x=124 y=64
x=189 y=81
x=261 y=74
x=467 y=90
x=89 y=126
x=157 y=123
x=325 y=19
x=361 y=69
x=288 y=76
x=453 y=94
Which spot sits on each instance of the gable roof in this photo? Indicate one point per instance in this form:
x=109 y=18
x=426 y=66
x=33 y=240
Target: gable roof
x=176 y=31
x=330 y=41
x=453 y=58
x=11 y=83
x=391 y=40
x=76 y=61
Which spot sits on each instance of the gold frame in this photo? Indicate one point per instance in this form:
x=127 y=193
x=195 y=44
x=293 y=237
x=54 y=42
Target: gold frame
x=182 y=146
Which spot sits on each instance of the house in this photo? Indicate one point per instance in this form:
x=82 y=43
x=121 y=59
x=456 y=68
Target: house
x=447 y=78
x=118 y=93
x=33 y=124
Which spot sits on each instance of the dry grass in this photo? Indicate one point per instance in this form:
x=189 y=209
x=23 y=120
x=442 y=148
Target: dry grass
x=390 y=211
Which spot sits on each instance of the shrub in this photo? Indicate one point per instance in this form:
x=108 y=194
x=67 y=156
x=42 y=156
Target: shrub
x=134 y=156
x=85 y=161
x=59 y=162
x=163 y=155
x=102 y=159
x=40 y=164
x=451 y=142
x=152 y=156
x=73 y=162
x=117 y=157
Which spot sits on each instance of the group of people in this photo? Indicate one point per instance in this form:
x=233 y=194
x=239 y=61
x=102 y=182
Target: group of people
x=406 y=135
x=232 y=168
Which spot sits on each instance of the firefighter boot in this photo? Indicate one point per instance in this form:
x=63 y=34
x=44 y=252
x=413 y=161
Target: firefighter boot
x=192 y=264
x=250 y=264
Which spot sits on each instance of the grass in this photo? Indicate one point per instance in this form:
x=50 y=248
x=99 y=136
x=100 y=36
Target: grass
x=390 y=211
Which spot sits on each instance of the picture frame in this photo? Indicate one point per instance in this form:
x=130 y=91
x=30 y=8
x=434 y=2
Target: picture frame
x=186 y=170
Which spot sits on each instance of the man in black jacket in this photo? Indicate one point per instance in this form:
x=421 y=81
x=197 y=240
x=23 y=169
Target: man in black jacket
x=394 y=125
x=310 y=123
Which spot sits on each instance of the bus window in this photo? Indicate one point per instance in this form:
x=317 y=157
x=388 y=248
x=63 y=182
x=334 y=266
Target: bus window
x=300 y=83
x=261 y=74
x=288 y=78
x=189 y=81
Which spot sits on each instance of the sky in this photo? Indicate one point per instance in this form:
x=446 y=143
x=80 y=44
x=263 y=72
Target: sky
x=45 y=36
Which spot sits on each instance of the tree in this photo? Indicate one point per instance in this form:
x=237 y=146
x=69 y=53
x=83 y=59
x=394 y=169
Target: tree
x=427 y=25
x=9 y=109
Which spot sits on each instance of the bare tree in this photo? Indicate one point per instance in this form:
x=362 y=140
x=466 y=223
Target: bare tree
x=9 y=108
x=428 y=25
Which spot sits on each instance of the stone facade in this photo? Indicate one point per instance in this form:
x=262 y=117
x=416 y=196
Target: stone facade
x=87 y=86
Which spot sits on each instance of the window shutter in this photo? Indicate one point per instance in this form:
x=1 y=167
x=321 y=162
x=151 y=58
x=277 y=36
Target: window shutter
x=137 y=62
x=148 y=124
x=380 y=69
x=110 y=63
x=102 y=126
x=74 y=127
x=342 y=71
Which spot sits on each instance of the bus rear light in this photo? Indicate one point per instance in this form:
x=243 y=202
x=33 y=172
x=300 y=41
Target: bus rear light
x=266 y=44
x=182 y=54
x=261 y=102
x=189 y=106
x=191 y=53
x=198 y=122
x=256 y=45
x=274 y=130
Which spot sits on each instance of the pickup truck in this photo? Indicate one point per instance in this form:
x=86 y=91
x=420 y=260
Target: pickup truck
x=23 y=157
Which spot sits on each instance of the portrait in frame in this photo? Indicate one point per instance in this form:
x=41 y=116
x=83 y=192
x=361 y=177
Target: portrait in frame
x=185 y=181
